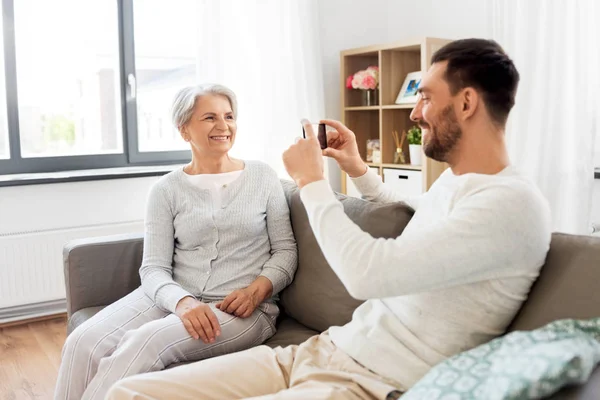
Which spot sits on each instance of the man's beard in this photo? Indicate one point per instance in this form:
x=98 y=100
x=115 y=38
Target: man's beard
x=444 y=133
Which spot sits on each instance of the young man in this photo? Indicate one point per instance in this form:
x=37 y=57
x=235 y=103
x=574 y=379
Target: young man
x=454 y=279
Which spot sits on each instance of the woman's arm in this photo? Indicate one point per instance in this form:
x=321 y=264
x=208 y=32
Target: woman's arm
x=281 y=267
x=156 y=271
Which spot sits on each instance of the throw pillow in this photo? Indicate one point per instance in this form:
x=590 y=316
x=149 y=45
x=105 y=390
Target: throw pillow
x=317 y=298
x=521 y=365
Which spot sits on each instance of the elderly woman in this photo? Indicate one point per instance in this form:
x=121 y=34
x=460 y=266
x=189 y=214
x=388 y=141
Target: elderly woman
x=218 y=247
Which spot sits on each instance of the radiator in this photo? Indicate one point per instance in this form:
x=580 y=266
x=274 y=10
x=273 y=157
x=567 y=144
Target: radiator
x=31 y=267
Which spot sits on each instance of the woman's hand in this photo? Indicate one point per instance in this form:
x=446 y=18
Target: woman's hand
x=199 y=320
x=243 y=302
x=240 y=303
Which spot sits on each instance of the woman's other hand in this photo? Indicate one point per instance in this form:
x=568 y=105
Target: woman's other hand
x=198 y=318
x=243 y=302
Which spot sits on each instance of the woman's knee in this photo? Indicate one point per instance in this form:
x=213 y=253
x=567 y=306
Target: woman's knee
x=154 y=348
x=83 y=341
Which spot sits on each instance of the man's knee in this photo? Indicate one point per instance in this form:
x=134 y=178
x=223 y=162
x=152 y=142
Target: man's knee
x=128 y=388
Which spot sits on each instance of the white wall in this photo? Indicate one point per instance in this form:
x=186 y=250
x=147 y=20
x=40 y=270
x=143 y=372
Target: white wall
x=342 y=25
x=345 y=25
x=74 y=204
x=595 y=218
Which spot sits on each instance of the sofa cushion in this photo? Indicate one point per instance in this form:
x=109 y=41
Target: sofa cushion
x=567 y=286
x=521 y=365
x=289 y=332
x=316 y=298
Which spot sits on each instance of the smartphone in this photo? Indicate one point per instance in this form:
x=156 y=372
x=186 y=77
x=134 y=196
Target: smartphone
x=321 y=135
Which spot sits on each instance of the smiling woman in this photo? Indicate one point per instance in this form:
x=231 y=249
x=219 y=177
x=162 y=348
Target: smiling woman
x=206 y=118
x=218 y=245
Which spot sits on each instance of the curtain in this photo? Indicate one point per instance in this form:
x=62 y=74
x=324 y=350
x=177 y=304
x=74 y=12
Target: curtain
x=552 y=130
x=268 y=53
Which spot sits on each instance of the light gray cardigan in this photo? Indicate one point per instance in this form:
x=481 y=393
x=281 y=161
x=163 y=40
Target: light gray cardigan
x=192 y=248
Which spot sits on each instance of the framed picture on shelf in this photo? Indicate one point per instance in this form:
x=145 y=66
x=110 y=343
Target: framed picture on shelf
x=373 y=151
x=408 y=92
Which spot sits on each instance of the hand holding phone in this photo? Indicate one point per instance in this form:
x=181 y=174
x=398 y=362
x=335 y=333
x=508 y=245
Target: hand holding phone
x=321 y=135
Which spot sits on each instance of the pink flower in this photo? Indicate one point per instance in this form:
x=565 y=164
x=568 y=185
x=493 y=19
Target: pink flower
x=349 y=81
x=366 y=79
x=369 y=82
x=356 y=81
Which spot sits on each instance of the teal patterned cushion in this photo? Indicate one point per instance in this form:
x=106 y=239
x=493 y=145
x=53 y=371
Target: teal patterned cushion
x=521 y=365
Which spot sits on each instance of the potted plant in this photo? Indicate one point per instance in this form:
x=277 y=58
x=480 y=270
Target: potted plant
x=366 y=80
x=414 y=145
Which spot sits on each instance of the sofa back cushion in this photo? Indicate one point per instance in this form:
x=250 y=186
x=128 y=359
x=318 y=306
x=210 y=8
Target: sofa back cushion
x=316 y=298
x=567 y=286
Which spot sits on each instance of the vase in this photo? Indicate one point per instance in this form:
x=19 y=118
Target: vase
x=399 y=156
x=415 y=152
x=370 y=97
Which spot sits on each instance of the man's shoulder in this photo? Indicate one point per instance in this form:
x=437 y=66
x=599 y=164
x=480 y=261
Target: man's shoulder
x=513 y=195
x=508 y=183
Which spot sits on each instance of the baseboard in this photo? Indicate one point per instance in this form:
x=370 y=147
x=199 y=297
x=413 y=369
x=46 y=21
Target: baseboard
x=10 y=315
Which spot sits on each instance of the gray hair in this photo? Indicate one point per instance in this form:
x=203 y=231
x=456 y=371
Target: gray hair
x=183 y=104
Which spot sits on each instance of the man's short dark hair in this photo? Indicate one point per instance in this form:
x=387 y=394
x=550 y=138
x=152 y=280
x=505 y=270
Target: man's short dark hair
x=483 y=65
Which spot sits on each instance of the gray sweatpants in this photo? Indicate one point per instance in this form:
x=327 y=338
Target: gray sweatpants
x=133 y=335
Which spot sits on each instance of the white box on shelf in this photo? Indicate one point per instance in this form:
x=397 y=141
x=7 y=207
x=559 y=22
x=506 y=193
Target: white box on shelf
x=405 y=181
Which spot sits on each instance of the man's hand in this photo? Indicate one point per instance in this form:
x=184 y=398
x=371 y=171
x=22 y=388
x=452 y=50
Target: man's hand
x=243 y=302
x=304 y=160
x=341 y=146
x=199 y=320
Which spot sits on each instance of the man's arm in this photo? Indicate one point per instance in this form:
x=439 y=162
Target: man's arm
x=372 y=188
x=487 y=236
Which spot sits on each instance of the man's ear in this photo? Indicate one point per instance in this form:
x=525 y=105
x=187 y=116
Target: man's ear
x=470 y=100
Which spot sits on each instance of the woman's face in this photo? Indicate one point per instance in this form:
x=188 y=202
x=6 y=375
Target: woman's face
x=212 y=127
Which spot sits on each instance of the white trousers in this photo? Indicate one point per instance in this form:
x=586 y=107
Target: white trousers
x=133 y=336
x=315 y=370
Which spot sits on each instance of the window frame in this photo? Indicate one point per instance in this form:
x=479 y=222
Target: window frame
x=131 y=156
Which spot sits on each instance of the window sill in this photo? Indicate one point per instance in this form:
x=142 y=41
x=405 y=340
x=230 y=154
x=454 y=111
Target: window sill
x=85 y=175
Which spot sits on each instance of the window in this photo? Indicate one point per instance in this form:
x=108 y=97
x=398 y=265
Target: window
x=78 y=94
x=4 y=144
x=68 y=77
x=165 y=61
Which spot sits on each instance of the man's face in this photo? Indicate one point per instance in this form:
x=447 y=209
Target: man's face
x=436 y=116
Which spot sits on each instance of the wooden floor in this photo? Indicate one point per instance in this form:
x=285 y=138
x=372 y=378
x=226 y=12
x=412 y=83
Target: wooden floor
x=29 y=359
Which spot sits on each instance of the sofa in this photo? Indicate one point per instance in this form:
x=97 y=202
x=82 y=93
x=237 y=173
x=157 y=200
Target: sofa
x=99 y=271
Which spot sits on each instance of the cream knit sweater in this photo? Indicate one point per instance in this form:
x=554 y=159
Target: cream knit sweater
x=454 y=279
